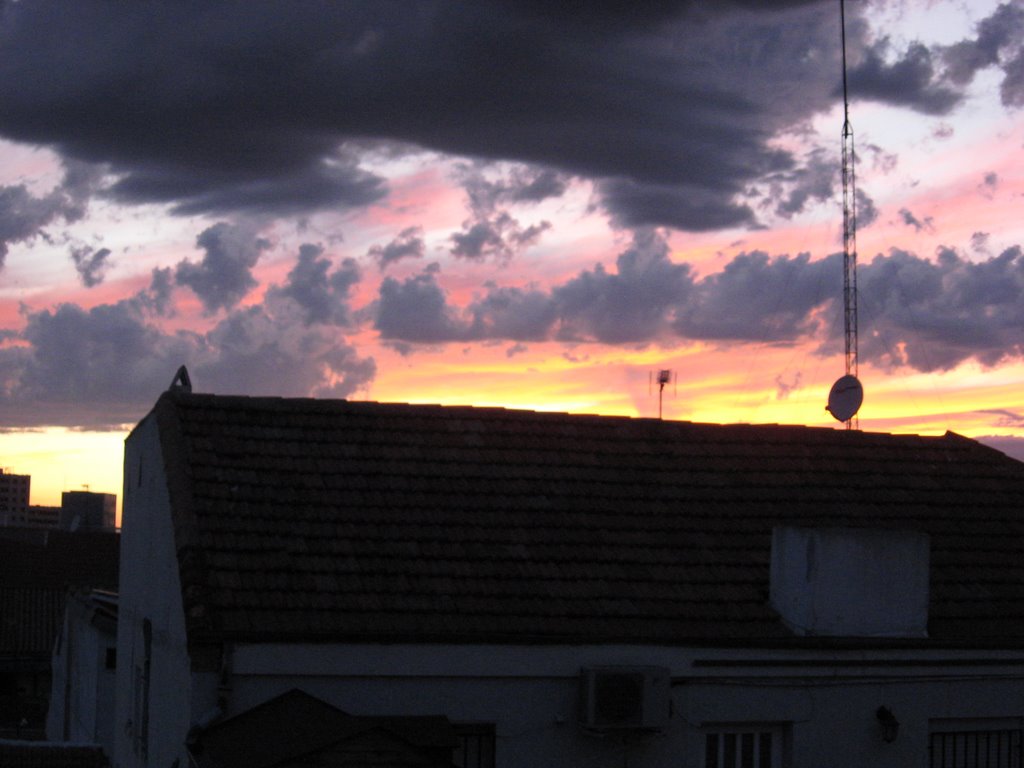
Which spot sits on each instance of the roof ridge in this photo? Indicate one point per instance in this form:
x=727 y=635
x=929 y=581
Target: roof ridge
x=288 y=404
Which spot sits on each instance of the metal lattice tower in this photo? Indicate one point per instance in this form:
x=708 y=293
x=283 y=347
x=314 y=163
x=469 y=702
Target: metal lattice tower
x=849 y=225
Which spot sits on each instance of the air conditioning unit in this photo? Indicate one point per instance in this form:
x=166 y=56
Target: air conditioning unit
x=624 y=698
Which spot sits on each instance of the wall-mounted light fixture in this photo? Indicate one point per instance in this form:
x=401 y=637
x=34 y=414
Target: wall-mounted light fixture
x=890 y=725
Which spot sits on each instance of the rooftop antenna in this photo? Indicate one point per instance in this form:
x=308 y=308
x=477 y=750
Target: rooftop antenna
x=665 y=376
x=847 y=394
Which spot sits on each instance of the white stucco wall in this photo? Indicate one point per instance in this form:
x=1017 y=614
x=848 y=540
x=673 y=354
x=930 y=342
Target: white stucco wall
x=825 y=702
x=82 y=694
x=150 y=589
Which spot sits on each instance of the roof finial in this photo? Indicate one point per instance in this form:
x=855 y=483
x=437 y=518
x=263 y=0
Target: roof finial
x=181 y=382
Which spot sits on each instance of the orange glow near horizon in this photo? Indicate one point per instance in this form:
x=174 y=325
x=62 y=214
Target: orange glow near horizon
x=762 y=385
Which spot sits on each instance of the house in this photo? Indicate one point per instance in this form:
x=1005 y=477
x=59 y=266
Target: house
x=84 y=660
x=549 y=589
x=37 y=567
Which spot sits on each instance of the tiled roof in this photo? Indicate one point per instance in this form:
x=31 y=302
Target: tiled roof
x=30 y=618
x=303 y=519
x=34 y=577
x=58 y=559
x=21 y=754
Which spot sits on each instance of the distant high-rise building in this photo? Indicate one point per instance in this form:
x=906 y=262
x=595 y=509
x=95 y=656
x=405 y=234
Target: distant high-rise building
x=88 y=511
x=42 y=517
x=14 y=498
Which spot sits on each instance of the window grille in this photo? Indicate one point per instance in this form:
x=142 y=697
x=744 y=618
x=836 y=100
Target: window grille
x=994 y=748
x=475 y=747
x=743 y=747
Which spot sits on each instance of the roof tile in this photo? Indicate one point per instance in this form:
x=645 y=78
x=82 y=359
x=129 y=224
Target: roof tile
x=314 y=519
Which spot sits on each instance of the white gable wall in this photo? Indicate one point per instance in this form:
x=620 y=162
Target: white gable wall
x=150 y=590
x=82 y=691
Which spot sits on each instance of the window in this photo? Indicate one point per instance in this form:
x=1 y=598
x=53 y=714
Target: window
x=475 y=747
x=976 y=743
x=743 y=746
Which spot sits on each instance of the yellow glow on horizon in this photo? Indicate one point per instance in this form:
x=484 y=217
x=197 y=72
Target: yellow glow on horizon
x=64 y=460
x=759 y=385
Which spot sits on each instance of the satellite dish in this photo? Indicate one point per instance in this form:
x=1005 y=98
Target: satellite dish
x=845 y=398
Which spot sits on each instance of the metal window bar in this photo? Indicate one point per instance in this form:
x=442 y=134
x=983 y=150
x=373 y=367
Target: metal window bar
x=740 y=749
x=976 y=749
x=475 y=747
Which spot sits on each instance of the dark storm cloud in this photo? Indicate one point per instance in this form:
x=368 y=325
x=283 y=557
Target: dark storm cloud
x=814 y=180
x=918 y=313
x=90 y=264
x=253 y=351
x=23 y=215
x=934 y=315
x=998 y=43
x=105 y=366
x=91 y=368
x=215 y=107
x=499 y=236
x=519 y=185
x=493 y=232
x=224 y=275
x=647 y=298
x=416 y=310
x=759 y=298
x=516 y=314
x=158 y=297
x=867 y=212
x=322 y=295
x=634 y=204
x=632 y=305
x=913 y=80
x=223 y=107
x=1012 y=87
x=409 y=244
x=917 y=224
x=328 y=183
x=480 y=239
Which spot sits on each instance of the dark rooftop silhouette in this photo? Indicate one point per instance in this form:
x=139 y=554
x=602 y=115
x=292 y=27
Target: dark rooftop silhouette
x=317 y=520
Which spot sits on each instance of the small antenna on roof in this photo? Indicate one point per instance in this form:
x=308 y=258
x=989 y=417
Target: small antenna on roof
x=181 y=382
x=665 y=376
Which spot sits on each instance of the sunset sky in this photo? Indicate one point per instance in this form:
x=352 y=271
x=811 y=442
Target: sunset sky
x=502 y=202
